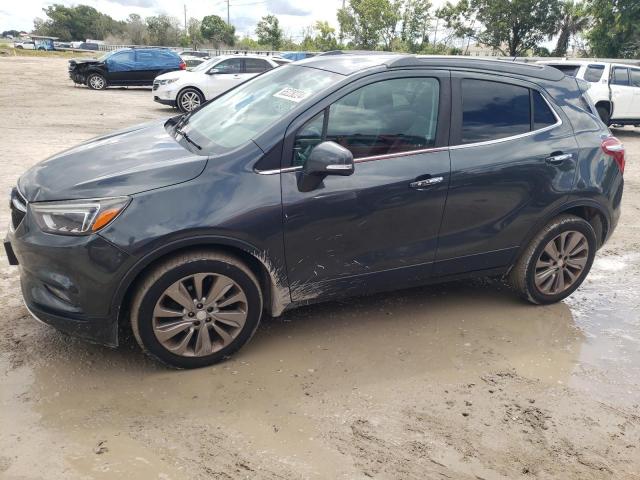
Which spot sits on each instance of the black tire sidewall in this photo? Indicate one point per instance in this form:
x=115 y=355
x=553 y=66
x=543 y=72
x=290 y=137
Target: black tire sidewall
x=96 y=75
x=182 y=92
x=150 y=297
x=574 y=225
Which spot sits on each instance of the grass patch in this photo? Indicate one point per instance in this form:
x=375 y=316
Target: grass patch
x=9 y=51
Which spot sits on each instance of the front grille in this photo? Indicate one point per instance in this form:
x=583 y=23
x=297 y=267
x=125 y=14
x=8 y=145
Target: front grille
x=18 y=206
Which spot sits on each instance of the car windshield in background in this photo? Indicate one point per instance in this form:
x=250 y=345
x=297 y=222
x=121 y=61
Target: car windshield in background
x=206 y=65
x=102 y=58
x=238 y=116
x=571 y=70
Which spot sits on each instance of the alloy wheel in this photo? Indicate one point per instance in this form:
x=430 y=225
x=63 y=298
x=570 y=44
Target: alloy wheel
x=200 y=314
x=189 y=101
x=561 y=262
x=97 y=82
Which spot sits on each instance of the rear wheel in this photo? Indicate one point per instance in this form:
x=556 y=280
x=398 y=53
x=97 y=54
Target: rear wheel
x=189 y=99
x=95 y=81
x=196 y=309
x=556 y=261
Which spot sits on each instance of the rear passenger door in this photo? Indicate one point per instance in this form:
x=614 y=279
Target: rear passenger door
x=255 y=66
x=376 y=229
x=621 y=92
x=513 y=160
x=634 y=79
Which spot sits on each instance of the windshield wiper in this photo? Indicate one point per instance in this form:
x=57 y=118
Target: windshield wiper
x=187 y=138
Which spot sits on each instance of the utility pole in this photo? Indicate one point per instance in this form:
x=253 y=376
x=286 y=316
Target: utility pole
x=185 y=19
x=340 y=31
x=228 y=22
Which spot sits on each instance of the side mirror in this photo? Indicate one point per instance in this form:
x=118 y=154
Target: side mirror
x=326 y=158
x=213 y=71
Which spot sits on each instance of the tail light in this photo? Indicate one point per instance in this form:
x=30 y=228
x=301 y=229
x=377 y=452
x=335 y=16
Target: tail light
x=183 y=66
x=614 y=148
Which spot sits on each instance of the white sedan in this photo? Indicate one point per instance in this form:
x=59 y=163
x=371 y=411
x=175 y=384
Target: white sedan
x=187 y=90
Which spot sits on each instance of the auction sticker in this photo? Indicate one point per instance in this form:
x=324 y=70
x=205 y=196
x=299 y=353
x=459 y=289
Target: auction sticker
x=291 y=94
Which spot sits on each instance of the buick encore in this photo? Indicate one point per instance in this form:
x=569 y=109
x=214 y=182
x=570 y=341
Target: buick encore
x=335 y=176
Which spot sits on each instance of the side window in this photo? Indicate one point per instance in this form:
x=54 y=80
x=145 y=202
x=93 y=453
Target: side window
x=255 y=65
x=542 y=114
x=594 y=73
x=391 y=116
x=492 y=110
x=634 y=75
x=620 y=76
x=233 y=65
x=122 y=57
x=145 y=58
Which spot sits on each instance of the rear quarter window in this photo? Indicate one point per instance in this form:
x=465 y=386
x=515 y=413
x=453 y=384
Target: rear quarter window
x=594 y=73
x=571 y=70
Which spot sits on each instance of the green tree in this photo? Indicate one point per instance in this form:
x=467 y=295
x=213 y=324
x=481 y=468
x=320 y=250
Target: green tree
x=510 y=26
x=163 y=30
x=415 y=22
x=269 y=32
x=572 y=20
x=320 y=38
x=194 y=32
x=216 y=30
x=367 y=23
x=136 y=29
x=616 y=28
x=76 y=23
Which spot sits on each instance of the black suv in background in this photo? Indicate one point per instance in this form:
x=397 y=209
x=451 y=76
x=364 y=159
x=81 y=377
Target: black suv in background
x=126 y=67
x=331 y=177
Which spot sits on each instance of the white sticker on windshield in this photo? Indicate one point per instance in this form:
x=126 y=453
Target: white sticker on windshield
x=291 y=94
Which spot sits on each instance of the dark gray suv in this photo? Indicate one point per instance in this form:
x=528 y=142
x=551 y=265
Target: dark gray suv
x=335 y=176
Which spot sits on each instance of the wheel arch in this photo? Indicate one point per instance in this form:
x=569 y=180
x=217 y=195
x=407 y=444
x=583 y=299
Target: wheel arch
x=273 y=279
x=590 y=211
x=605 y=103
x=191 y=87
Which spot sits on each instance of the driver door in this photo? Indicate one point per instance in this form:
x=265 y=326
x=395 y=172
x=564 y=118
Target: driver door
x=378 y=228
x=224 y=76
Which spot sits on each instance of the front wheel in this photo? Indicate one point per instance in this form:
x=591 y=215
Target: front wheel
x=96 y=82
x=196 y=309
x=556 y=261
x=189 y=99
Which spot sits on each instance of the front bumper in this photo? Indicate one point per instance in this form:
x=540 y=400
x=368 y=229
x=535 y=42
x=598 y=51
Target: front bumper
x=171 y=103
x=69 y=282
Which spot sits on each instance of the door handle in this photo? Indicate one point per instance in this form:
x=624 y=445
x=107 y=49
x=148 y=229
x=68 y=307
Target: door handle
x=557 y=159
x=427 y=182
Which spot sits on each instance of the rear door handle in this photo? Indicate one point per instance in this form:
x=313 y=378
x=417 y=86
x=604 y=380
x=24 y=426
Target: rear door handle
x=427 y=182
x=558 y=158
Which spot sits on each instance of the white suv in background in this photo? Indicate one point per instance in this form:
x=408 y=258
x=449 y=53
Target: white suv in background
x=187 y=90
x=615 y=88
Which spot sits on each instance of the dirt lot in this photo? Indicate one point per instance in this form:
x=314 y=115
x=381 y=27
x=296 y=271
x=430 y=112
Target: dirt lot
x=459 y=381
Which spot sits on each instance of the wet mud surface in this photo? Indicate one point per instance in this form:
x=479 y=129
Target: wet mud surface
x=460 y=381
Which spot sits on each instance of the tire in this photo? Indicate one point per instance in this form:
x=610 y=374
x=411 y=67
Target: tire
x=183 y=345
x=604 y=114
x=535 y=260
x=189 y=99
x=95 y=81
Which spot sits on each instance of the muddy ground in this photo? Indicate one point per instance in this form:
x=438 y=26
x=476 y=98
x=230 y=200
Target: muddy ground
x=459 y=381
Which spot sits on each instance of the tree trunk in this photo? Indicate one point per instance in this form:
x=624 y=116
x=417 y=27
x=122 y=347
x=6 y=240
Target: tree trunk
x=562 y=45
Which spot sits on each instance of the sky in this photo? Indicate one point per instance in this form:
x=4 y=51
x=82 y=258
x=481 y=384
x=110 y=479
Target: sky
x=294 y=15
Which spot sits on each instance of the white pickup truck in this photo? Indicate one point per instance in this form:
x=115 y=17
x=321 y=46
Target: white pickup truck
x=615 y=88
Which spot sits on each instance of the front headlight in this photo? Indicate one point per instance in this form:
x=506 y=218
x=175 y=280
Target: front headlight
x=167 y=81
x=77 y=217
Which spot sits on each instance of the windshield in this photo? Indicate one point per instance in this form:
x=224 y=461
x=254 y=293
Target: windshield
x=241 y=114
x=205 y=65
x=105 y=56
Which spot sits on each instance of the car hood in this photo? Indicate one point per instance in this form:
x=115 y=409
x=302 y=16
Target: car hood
x=125 y=162
x=179 y=74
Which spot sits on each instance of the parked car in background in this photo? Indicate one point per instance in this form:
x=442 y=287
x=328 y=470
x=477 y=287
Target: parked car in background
x=195 y=53
x=280 y=60
x=129 y=66
x=192 y=62
x=614 y=90
x=188 y=90
x=331 y=177
x=25 y=45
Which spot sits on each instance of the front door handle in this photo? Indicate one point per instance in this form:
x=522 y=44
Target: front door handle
x=558 y=158
x=427 y=182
